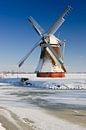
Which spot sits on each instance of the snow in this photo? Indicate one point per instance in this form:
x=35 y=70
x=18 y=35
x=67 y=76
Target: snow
x=27 y=102
x=8 y=116
x=2 y=128
x=70 y=81
x=44 y=121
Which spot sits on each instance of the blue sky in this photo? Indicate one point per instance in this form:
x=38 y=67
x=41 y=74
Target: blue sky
x=17 y=37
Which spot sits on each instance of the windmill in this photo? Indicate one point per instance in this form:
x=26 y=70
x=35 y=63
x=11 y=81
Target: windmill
x=51 y=63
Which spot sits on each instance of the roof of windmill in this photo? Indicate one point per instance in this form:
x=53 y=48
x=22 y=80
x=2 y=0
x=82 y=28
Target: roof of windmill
x=53 y=39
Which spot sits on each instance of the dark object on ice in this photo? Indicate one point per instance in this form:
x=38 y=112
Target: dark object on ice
x=58 y=86
x=24 y=80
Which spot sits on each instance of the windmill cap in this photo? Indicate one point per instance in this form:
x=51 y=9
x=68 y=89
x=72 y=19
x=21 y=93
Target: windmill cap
x=52 y=39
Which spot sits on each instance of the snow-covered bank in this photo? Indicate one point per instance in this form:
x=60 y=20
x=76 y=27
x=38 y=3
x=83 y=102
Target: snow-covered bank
x=70 y=81
x=11 y=121
x=44 y=121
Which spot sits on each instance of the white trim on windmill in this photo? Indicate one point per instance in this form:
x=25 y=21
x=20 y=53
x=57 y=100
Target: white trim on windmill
x=51 y=62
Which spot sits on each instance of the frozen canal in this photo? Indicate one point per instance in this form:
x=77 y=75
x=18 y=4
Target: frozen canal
x=42 y=97
x=46 y=109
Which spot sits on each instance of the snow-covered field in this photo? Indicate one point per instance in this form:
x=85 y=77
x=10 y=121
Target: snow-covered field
x=43 y=108
x=70 y=81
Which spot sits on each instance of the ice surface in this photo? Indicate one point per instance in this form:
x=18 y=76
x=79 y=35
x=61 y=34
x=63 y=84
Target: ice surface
x=8 y=116
x=29 y=101
x=44 y=121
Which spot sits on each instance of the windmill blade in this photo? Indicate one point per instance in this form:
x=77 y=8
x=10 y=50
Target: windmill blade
x=59 y=21
x=56 y=26
x=28 y=54
x=53 y=54
x=36 y=26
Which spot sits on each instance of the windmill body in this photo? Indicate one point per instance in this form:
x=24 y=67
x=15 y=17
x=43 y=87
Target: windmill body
x=51 y=63
x=47 y=67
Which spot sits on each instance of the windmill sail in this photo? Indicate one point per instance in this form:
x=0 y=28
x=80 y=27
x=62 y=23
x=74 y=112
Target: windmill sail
x=28 y=54
x=36 y=26
x=58 y=22
x=56 y=26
